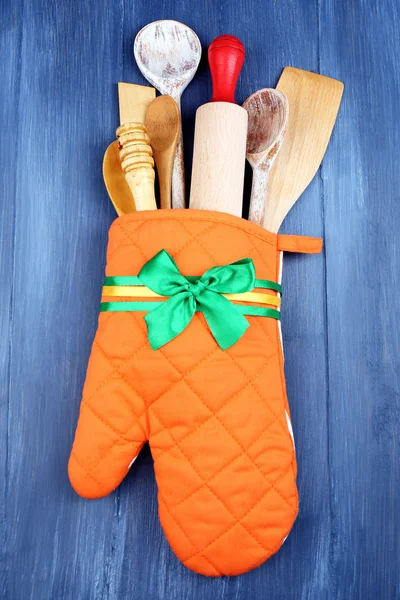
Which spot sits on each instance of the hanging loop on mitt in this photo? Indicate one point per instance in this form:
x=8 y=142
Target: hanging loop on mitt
x=185 y=296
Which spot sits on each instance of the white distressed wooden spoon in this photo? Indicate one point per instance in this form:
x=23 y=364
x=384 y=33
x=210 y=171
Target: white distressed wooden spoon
x=268 y=112
x=168 y=54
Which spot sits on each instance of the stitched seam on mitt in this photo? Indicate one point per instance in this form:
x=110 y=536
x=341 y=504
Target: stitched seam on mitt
x=84 y=469
x=174 y=444
x=215 y=220
x=195 y=238
x=252 y=535
x=241 y=389
x=119 y=434
x=278 y=418
x=212 y=222
x=259 y=253
x=205 y=483
x=117 y=370
x=241 y=519
x=146 y=409
x=187 y=537
x=126 y=237
x=244 y=450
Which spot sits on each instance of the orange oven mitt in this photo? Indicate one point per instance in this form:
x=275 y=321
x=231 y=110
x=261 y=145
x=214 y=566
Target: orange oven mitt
x=188 y=357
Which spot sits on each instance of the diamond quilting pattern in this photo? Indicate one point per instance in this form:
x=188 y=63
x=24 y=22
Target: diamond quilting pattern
x=168 y=469
x=177 y=421
x=229 y=483
x=209 y=447
x=221 y=387
x=176 y=351
x=120 y=327
x=215 y=421
x=197 y=511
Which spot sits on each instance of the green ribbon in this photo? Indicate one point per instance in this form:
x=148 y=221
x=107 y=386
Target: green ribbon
x=203 y=294
x=134 y=280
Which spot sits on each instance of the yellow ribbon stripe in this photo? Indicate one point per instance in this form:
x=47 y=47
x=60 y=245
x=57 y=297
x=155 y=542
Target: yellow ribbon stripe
x=130 y=291
x=138 y=291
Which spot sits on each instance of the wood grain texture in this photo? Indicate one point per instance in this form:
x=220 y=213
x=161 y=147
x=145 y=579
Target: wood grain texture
x=163 y=123
x=133 y=101
x=115 y=182
x=314 y=101
x=268 y=111
x=137 y=162
x=219 y=156
x=60 y=66
x=362 y=215
x=135 y=157
x=160 y=48
x=10 y=39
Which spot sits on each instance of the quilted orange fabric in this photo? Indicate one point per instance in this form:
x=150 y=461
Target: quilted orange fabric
x=217 y=421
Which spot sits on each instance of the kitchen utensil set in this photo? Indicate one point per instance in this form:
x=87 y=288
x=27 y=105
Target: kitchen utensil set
x=282 y=132
x=193 y=297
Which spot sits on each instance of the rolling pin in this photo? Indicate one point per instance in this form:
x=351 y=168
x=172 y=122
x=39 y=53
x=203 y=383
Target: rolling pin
x=219 y=151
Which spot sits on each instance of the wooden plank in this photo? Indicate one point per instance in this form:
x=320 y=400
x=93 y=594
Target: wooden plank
x=10 y=19
x=58 y=545
x=360 y=45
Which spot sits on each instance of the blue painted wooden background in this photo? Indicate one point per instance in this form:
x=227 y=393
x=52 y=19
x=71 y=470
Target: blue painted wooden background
x=59 y=65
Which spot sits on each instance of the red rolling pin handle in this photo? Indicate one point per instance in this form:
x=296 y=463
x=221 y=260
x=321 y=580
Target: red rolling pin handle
x=225 y=57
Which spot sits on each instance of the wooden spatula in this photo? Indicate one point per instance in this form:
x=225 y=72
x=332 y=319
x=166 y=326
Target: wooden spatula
x=133 y=102
x=314 y=102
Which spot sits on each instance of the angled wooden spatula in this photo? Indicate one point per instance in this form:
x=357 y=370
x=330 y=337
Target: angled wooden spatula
x=314 y=102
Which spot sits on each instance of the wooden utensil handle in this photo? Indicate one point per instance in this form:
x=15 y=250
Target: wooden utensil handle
x=225 y=56
x=178 y=188
x=258 y=196
x=138 y=164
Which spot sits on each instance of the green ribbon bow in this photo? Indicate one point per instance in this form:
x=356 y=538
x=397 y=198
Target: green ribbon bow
x=190 y=294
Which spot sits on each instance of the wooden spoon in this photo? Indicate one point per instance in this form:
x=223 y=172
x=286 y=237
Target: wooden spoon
x=168 y=54
x=163 y=126
x=268 y=112
x=314 y=102
x=116 y=184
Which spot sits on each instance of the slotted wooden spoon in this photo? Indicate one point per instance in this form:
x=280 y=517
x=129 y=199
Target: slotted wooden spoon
x=314 y=102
